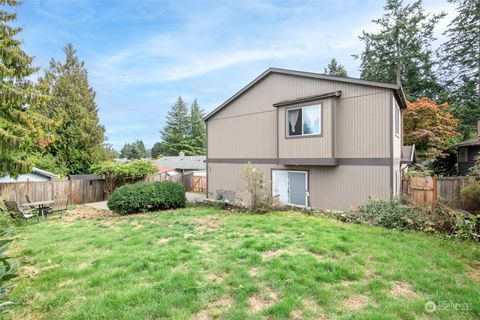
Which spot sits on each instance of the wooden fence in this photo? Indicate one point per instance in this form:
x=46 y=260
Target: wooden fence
x=79 y=191
x=427 y=190
x=84 y=191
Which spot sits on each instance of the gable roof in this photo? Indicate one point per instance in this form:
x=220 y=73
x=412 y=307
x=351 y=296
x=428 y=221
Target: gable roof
x=397 y=89
x=185 y=162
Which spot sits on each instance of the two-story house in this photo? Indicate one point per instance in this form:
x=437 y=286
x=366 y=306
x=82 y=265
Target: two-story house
x=322 y=141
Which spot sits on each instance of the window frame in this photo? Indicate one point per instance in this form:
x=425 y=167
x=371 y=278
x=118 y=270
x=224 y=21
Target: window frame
x=397 y=120
x=308 y=135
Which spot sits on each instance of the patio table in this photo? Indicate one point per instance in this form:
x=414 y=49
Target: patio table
x=42 y=206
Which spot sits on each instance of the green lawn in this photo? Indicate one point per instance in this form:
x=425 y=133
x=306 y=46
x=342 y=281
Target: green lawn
x=204 y=263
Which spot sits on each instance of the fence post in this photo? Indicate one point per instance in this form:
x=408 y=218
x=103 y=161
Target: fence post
x=434 y=197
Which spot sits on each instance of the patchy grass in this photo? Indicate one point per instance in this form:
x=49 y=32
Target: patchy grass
x=206 y=264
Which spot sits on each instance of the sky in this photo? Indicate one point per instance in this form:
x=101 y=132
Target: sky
x=142 y=55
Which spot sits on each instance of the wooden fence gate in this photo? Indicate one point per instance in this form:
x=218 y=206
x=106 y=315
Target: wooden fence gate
x=427 y=190
x=199 y=184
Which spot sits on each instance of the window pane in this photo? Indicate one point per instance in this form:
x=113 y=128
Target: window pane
x=311 y=120
x=294 y=121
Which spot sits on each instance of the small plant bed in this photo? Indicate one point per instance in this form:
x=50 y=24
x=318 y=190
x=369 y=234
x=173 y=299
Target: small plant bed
x=204 y=263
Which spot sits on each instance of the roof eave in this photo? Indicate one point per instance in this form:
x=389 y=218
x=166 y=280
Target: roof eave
x=398 y=91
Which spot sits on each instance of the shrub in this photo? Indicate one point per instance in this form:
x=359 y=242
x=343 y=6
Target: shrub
x=386 y=213
x=259 y=194
x=7 y=271
x=471 y=194
x=143 y=197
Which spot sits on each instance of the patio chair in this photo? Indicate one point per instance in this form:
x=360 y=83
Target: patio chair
x=60 y=204
x=17 y=212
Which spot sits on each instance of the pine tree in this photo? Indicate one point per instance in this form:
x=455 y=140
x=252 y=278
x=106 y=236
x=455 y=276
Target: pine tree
x=401 y=52
x=461 y=56
x=22 y=128
x=79 y=138
x=175 y=134
x=336 y=69
x=157 y=150
x=197 y=129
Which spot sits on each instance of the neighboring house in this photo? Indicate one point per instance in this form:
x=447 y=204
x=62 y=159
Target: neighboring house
x=323 y=141
x=36 y=175
x=181 y=164
x=468 y=152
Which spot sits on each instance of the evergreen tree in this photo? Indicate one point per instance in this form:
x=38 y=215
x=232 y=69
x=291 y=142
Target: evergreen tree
x=134 y=150
x=157 y=150
x=336 y=69
x=175 y=134
x=401 y=52
x=22 y=128
x=197 y=129
x=461 y=56
x=79 y=138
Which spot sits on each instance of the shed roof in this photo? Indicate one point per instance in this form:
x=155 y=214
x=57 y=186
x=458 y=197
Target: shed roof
x=397 y=89
x=44 y=173
x=179 y=162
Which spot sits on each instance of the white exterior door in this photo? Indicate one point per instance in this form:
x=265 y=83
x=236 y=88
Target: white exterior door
x=290 y=186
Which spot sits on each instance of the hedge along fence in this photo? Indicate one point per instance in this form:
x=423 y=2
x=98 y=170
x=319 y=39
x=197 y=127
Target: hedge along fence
x=143 y=197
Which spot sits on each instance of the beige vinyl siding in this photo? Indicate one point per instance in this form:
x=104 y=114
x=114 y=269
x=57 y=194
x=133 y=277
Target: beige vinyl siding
x=362 y=125
x=335 y=188
x=340 y=187
x=246 y=128
x=247 y=136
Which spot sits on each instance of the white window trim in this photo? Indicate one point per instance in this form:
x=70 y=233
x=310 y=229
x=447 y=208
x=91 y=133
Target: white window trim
x=320 y=111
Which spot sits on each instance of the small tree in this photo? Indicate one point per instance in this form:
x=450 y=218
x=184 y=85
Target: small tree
x=157 y=150
x=258 y=191
x=430 y=127
x=336 y=69
x=116 y=174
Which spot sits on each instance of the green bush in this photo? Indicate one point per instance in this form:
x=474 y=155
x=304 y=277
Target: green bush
x=471 y=193
x=8 y=271
x=386 y=213
x=143 y=197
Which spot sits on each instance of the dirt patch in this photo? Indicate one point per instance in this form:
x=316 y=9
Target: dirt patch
x=85 y=213
x=401 y=289
x=475 y=273
x=258 y=302
x=253 y=272
x=85 y=264
x=162 y=240
x=275 y=253
x=356 y=302
x=208 y=223
x=214 y=277
x=29 y=271
x=215 y=309
x=296 y=315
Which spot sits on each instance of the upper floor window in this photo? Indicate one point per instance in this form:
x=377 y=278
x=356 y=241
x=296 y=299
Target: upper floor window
x=304 y=121
x=463 y=155
x=397 y=120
